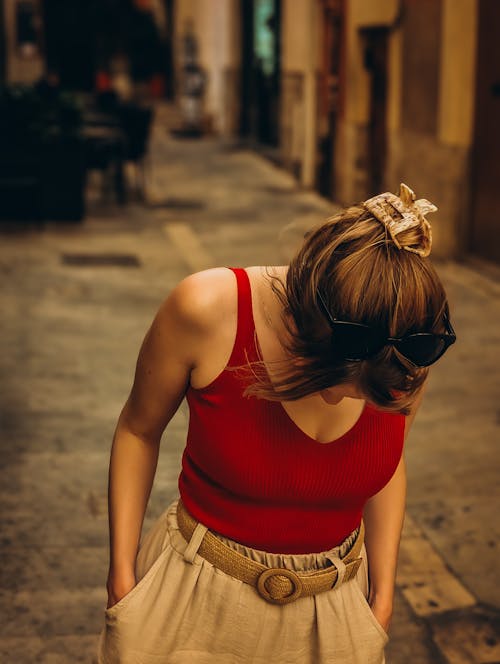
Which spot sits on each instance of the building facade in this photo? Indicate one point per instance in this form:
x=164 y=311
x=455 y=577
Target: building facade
x=351 y=96
x=361 y=95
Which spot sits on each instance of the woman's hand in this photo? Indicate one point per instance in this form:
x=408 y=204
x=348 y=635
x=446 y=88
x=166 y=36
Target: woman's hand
x=382 y=612
x=119 y=585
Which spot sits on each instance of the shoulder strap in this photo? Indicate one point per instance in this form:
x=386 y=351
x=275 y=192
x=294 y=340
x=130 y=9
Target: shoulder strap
x=246 y=327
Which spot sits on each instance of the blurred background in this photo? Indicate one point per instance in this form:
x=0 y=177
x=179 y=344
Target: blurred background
x=349 y=96
x=141 y=140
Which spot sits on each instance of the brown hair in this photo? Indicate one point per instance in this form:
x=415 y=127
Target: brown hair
x=364 y=278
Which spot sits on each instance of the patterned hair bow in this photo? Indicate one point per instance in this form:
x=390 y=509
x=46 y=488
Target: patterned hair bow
x=398 y=213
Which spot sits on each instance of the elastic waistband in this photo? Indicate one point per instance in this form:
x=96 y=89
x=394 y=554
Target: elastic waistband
x=276 y=584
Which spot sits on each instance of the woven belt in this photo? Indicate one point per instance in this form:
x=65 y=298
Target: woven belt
x=275 y=584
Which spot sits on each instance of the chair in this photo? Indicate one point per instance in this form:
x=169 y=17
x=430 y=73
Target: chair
x=136 y=123
x=105 y=148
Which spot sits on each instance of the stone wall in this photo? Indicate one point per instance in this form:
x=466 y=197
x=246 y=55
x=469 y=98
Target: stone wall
x=431 y=74
x=440 y=173
x=292 y=121
x=231 y=106
x=300 y=58
x=351 y=169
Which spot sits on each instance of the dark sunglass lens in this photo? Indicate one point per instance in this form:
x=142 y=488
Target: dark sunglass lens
x=353 y=341
x=422 y=349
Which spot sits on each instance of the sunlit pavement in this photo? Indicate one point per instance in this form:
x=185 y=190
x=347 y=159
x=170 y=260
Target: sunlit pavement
x=76 y=301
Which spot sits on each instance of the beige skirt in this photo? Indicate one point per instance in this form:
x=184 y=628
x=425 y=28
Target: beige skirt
x=185 y=611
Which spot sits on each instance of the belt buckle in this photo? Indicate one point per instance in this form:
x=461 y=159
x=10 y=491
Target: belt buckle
x=279 y=571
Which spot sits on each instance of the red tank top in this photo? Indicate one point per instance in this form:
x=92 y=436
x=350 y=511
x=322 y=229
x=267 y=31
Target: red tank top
x=251 y=474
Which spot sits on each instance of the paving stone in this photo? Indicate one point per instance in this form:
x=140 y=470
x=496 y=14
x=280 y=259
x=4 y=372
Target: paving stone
x=57 y=612
x=55 y=650
x=410 y=638
x=469 y=638
x=23 y=567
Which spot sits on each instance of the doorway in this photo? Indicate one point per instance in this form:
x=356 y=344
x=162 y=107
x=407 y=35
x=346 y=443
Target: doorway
x=375 y=62
x=330 y=92
x=260 y=70
x=3 y=46
x=485 y=228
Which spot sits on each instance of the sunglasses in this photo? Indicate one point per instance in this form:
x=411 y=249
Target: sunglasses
x=355 y=341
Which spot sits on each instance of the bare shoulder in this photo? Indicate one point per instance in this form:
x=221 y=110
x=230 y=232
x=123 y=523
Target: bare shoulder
x=203 y=299
x=206 y=305
x=174 y=347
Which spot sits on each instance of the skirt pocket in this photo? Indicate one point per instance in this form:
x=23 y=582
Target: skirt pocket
x=151 y=553
x=138 y=588
x=360 y=586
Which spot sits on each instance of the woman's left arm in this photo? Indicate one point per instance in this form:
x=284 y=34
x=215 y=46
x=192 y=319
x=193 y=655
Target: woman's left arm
x=383 y=516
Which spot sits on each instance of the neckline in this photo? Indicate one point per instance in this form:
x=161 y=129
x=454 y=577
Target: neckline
x=335 y=441
x=279 y=405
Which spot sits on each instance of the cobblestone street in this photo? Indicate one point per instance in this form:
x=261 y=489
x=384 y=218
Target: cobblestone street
x=76 y=302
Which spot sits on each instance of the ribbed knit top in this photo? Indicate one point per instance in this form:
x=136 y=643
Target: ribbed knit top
x=251 y=474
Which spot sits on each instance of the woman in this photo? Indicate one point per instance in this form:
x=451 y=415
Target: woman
x=302 y=382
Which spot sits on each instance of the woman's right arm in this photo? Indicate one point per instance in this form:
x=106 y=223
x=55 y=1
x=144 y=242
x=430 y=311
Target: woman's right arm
x=166 y=359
